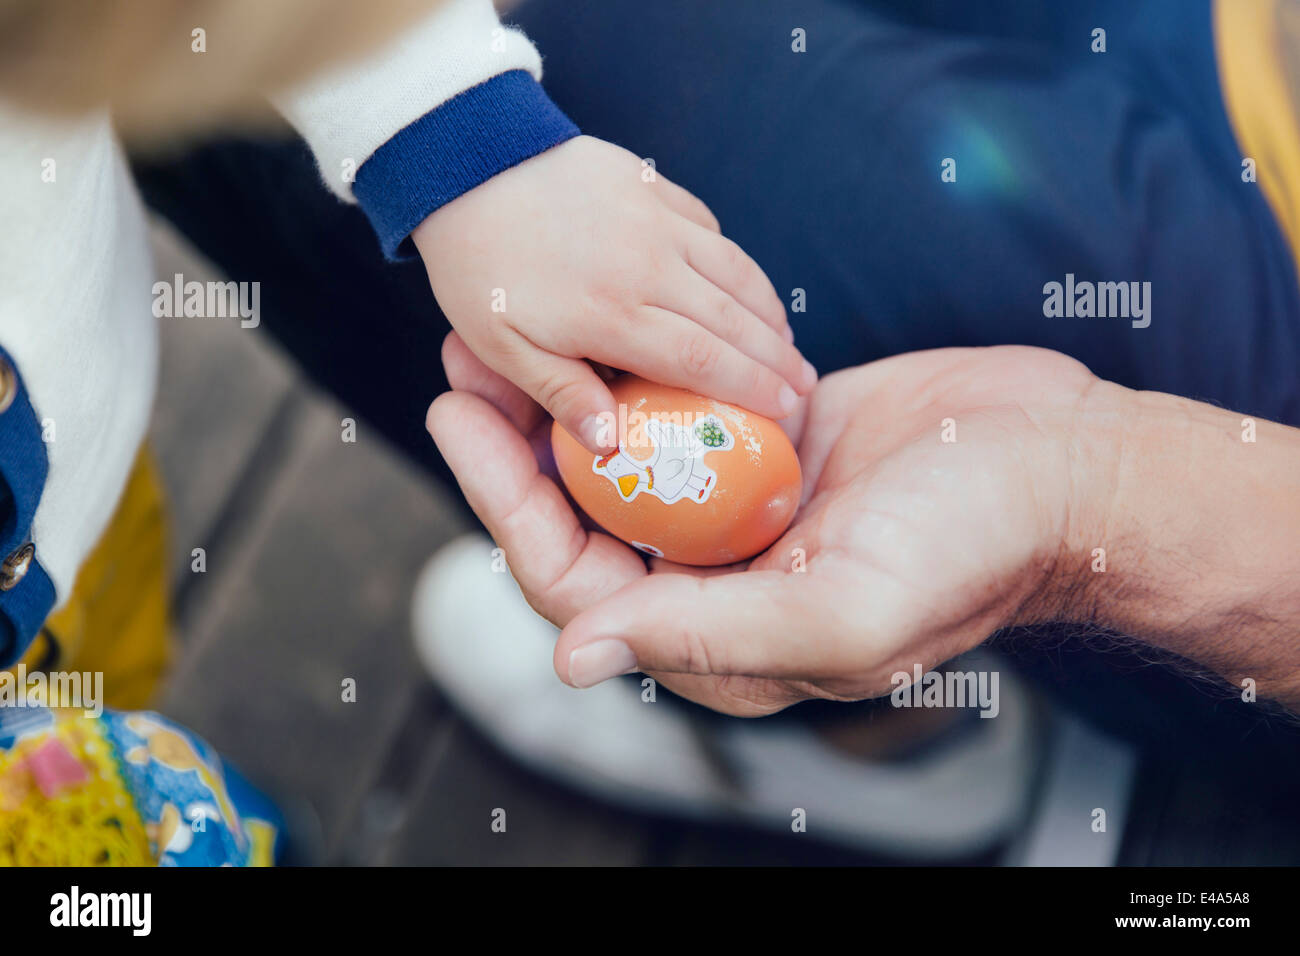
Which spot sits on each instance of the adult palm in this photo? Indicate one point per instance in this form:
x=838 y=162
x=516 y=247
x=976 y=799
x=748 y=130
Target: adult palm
x=938 y=506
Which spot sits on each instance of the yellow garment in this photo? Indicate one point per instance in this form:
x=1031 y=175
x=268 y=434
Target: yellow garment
x=116 y=620
x=1258 y=51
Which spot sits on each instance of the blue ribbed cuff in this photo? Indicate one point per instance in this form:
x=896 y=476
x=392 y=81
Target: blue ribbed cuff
x=450 y=150
x=24 y=466
x=24 y=611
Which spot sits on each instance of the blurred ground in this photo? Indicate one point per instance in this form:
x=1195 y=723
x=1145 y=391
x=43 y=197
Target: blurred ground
x=312 y=549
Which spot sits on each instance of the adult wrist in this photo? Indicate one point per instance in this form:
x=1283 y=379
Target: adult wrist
x=1185 y=534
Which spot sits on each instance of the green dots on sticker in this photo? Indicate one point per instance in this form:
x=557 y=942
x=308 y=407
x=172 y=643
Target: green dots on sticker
x=711 y=434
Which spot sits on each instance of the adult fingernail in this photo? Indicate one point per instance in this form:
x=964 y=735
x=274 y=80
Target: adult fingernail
x=598 y=661
x=787 y=398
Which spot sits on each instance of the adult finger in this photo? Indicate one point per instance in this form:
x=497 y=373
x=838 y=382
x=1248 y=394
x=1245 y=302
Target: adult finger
x=736 y=696
x=560 y=568
x=754 y=624
x=467 y=372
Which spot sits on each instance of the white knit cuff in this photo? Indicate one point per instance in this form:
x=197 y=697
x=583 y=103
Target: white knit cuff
x=350 y=111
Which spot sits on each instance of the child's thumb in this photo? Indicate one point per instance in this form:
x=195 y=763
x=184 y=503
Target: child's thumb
x=575 y=396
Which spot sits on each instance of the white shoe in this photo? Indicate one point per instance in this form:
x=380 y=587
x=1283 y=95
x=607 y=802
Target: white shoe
x=491 y=654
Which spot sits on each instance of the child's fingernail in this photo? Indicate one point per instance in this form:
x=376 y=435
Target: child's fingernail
x=599 y=661
x=789 y=333
x=787 y=398
x=809 y=374
x=593 y=428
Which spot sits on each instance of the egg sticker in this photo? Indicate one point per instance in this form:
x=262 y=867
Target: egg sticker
x=675 y=469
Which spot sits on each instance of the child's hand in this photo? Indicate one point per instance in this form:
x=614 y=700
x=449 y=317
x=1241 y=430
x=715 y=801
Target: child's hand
x=574 y=255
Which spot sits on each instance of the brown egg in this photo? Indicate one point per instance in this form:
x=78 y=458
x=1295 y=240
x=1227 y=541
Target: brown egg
x=694 y=480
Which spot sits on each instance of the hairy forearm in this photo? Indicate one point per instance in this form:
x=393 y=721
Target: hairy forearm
x=1196 y=512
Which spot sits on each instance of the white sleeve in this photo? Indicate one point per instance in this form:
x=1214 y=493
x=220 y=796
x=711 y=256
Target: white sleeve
x=348 y=112
x=75 y=276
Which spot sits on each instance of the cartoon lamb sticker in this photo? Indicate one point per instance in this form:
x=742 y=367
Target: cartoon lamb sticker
x=675 y=470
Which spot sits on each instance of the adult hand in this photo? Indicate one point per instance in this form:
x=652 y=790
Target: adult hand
x=909 y=548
